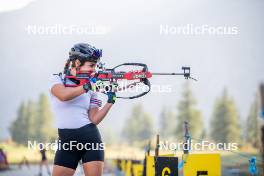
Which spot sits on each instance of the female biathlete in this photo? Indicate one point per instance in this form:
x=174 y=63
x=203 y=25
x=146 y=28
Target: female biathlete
x=77 y=113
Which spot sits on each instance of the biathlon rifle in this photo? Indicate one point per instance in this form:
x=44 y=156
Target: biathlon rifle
x=141 y=75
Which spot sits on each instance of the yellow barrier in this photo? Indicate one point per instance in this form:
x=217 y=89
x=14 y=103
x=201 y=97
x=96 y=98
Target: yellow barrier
x=165 y=165
x=167 y=155
x=202 y=164
x=123 y=165
x=137 y=169
x=128 y=168
x=150 y=167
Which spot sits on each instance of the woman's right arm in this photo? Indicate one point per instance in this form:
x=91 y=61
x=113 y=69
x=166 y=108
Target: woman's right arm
x=66 y=93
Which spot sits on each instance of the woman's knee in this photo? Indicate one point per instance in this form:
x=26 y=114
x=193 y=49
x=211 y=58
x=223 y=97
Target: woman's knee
x=93 y=168
x=62 y=171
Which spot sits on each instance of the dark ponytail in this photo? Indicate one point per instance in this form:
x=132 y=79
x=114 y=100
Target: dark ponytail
x=67 y=66
x=70 y=64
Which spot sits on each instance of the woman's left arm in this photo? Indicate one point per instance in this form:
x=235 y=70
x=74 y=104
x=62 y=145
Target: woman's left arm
x=96 y=115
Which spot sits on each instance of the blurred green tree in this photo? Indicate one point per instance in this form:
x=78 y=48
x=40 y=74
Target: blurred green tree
x=167 y=123
x=188 y=112
x=33 y=122
x=139 y=126
x=45 y=130
x=225 y=125
x=18 y=126
x=252 y=132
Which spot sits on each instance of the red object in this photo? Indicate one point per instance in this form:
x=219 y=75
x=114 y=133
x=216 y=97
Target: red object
x=131 y=75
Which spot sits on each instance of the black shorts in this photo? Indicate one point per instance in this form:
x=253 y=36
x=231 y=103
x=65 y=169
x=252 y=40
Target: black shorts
x=79 y=144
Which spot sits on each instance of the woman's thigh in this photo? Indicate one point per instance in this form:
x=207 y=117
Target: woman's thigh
x=62 y=171
x=93 y=168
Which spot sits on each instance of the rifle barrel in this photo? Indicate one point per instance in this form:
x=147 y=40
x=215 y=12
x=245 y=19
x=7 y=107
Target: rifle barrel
x=167 y=73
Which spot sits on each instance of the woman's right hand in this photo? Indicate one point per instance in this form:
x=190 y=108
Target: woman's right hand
x=111 y=97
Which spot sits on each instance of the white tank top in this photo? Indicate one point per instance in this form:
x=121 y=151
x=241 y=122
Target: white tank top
x=73 y=113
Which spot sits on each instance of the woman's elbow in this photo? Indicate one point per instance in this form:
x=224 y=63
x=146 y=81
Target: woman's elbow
x=94 y=121
x=58 y=91
x=62 y=98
